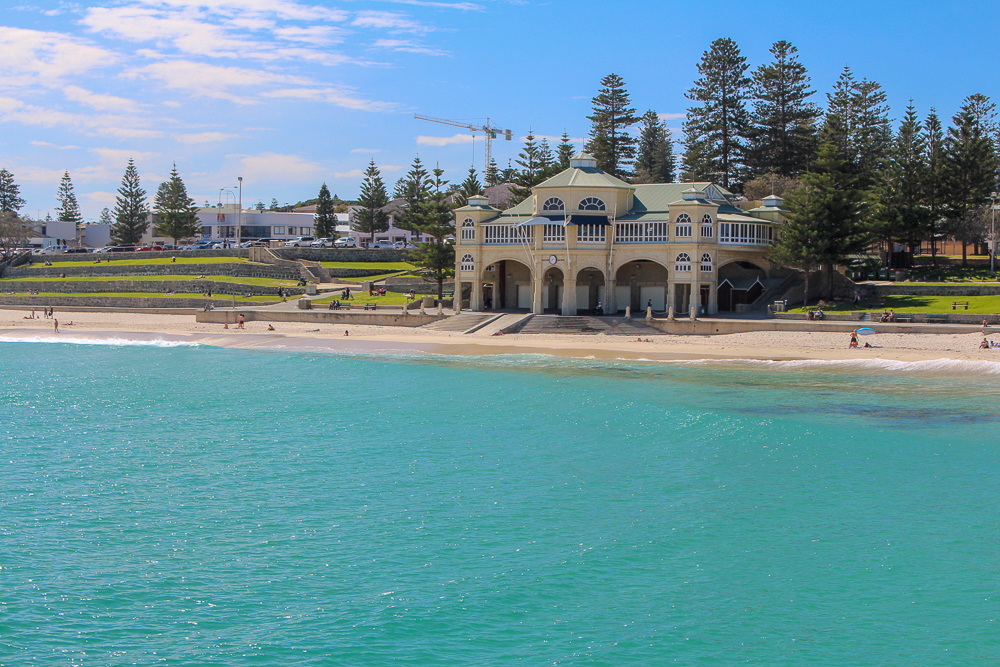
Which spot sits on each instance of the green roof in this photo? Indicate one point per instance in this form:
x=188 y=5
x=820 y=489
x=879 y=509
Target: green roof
x=659 y=196
x=589 y=177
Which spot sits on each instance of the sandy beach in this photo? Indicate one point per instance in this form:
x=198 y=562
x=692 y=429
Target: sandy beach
x=762 y=345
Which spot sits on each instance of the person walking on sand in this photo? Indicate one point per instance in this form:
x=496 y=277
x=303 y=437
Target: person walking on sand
x=56 y=324
x=241 y=319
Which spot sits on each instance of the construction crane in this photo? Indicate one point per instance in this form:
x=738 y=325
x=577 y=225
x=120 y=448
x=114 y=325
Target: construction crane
x=488 y=129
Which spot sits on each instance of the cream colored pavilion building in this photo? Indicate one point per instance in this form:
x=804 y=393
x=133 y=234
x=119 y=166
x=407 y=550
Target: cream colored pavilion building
x=586 y=241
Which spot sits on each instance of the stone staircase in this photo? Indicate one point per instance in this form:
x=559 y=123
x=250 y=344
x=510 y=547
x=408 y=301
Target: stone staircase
x=461 y=322
x=546 y=324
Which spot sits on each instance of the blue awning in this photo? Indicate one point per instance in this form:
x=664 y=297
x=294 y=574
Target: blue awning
x=588 y=220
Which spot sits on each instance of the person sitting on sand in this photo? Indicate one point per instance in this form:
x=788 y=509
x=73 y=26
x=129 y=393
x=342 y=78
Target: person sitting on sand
x=854 y=339
x=270 y=327
x=985 y=345
x=499 y=332
x=867 y=344
x=346 y=332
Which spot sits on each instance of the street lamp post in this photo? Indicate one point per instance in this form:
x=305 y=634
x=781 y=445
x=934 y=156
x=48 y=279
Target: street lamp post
x=239 y=217
x=993 y=235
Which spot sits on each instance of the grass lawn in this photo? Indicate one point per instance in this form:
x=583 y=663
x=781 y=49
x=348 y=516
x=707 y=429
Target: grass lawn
x=379 y=266
x=152 y=261
x=238 y=280
x=224 y=298
x=906 y=303
x=361 y=298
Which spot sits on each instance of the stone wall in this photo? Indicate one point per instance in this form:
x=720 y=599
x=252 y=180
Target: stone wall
x=156 y=286
x=84 y=257
x=113 y=269
x=332 y=317
x=341 y=254
x=956 y=290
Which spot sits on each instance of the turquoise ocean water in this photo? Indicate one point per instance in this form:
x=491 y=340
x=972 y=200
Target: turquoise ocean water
x=202 y=506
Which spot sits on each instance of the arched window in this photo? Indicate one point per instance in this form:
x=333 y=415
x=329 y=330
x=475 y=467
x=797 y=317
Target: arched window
x=468 y=230
x=683 y=263
x=468 y=264
x=592 y=204
x=706 y=226
x=553 y=204
x=682 y=230
x=706 y=263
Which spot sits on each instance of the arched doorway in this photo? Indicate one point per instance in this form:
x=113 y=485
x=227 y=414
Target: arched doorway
x=639 y=283
x=552 y=290
x=507 y=286
x=740 y=282
x=589 y=291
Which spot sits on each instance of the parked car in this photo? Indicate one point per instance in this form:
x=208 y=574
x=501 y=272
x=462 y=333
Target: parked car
x=323 y=243
x=346 y=242
x=203 y=246
x=404 y=245
x=70 y=251
x=300 y=242
x=380 y=245
x=122 y=248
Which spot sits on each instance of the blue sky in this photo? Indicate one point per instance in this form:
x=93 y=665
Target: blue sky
x=291 y=93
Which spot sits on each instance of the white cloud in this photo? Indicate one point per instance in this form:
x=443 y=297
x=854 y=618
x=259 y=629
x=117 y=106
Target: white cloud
x=318 y=35
x=206 y=80
x=268 y=167
x=464 y=6
x=45 y=144
x=445 y=141
x=32 y=58
x=109 y=125
x=556 y=140
x=204 y=137
x=671 y=116
x=366 y=150
x=353 y=173
x=333 y=96
x=98 y=101
x=391 y=21
x=101 y=197
x=120 y=157
x=408 y=46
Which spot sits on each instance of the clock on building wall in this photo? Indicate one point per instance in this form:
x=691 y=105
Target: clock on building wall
x=553 y=259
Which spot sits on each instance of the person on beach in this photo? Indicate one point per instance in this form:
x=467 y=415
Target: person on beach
x=270 y=327
x=56 y=324
x=854 y=340
x=986 y=323
x=241 y=319
x=346 y=333
x=985 y=345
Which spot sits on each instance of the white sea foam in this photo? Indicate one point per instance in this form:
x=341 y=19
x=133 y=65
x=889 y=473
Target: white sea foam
x=113 y=341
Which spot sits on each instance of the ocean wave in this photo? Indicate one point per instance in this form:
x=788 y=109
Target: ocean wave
x=928 y=366
x=112 y=341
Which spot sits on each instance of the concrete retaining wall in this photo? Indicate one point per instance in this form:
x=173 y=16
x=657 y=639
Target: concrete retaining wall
x=106 y=302
x=334 y=317
x=113 y=269
x=156 y=286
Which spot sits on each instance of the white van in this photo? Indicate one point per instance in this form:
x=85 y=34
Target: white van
x=345 y=242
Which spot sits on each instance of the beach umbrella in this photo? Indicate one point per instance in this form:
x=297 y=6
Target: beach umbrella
x=866 y=331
